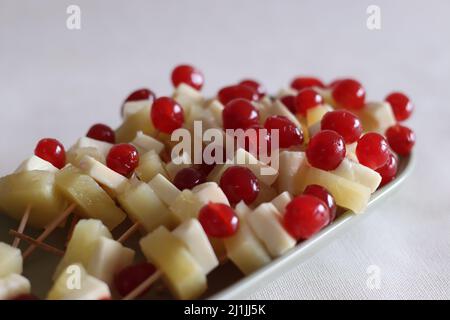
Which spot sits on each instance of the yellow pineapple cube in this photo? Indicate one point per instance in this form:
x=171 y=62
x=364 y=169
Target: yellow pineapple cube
x=315 y=115
x=139 y=121
x=10 y=260
x=150 y=164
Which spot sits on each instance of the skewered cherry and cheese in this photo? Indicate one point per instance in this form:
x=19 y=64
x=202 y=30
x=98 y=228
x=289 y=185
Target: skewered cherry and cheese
x=10 y=260
x=150 y=165
x=36 y=163
x=133 y=107
x=13 y=285
x=35 y=189
x=164 y=189
x=358 y=173
x=134 y=123
x=281 y=201
x=145 y=143
x=86 y=287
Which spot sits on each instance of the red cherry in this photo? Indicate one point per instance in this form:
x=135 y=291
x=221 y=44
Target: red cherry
x=188 y=75
x=132 y=276
x=239 y=183
x=306 y=99
x=52 y=151
x=349 y=94
x=401 y=105
x=123 y=158
x=289 y=134
x=305 y=215
x=28 y=296
x=227 y=94
x=102 y=132
x=323 y=194
x=289 y=102
x=188 y=178
x=239 y=114
x=255 y=85
x=389 y=170
x=343 y=122
x=333 y=83
x=301 y=83
x=401 y=139
x=218 y=220
x=167 y=115
x=372 y=150
x=326 y=150
x=141 y=94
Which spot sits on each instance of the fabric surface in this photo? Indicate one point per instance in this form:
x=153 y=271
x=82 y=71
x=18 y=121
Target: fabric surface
x=57 y=82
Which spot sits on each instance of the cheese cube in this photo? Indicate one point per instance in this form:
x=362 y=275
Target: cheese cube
x=31 y=188
x=186 y=206
x=130 y=108
x=178 y=163
x=210 y=192
x=150 y=164
x=92 y=201
x=194 y=237
x=10 y=260
x=108 y=258
x=183 y=274
x=187 y=96
x=350 y=151
x=164 y=189
x=114 y=181
x=291 y=163
x=139 y=121
x=216 y=108
x=315 y=115
x=281 y=201
x=143 y=206
x=36 y=163
x=286 y=92
x=13 y=285
x=74 y=157
x=265 y=223
x=75 y=283
x=86 y=142
x=145 y=143
x=358 y=173
x=376 y=116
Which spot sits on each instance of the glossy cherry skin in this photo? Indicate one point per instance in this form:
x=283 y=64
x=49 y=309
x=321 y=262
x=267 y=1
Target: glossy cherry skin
x=167 y=115
x=401 y=105
x=188 y=75
x=349 y=94
x=306 y=99
x=372 y=150
x=239 y=114
x=230 y=93
x=188 y=178
x=305 y=215
x=389 y=170
x=323 y=194
x=218 y=220
x=239 y=183
x=326 y=150
x=255 y=85
x=343 y=122
x=123 y=158
x=401 y=139
x=289 y=102
x=132 y=276
x=141 y=94
x=289 y=134
x=301 y=83
x=102 y=132
x=52 y=151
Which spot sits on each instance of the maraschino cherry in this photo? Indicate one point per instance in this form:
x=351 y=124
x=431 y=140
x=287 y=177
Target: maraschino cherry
x=218 y=220
x=188 y=75
x=167 y=115
x=52 y=151
x=123 y=158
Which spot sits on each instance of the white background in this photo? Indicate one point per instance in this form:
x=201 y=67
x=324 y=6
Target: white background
x=56 y=83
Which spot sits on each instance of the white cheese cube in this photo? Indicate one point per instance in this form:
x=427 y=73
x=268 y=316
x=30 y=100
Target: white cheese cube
x=210 y=192
x=164 y=189
x=187 y=96
x=86 y=142
x=281 y=201
x=150 y=164
x=358 y=173
x=13 y=285
x=133 y=107
x=145 y=143
x=376 y=116
x=108 y=258
x=286 y=92
x=177 y=164
x=265 y=223
x=10 y=260
x=36 y=163
x=194 y=237
x=350 y=151
x=291 y=163
x=114 y=181
x=216 y=108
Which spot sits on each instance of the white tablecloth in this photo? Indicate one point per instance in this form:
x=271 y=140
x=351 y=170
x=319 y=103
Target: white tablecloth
x=57 y=82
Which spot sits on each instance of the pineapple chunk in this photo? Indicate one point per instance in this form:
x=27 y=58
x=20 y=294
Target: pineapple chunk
x=180 y=162
x=139 y=121
x=376 y=116
x=183 y=275
x=350 y=151
x=210 y=192
x=216 y=108
x=10 y=260
x=150 y=164
x=358 y=173
x=186 y=206
x=281 y=201
x=34 y=188
x=291 y=163
x=114 y=181
x=92 y=201
x=82 y=244
x=36 y=163
x=143 y=206
x=186 y=96
x=74 y=157
x=243 y=248
x=279 y=109
x=75 y=283
x=315 y=115
x=346 y=193
x=265 y=223
x=86 y=142
x=164 y=189
x=108 y=258
x=145 y=143
x=13 y=285
x=195 y=239
x=133 y=107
